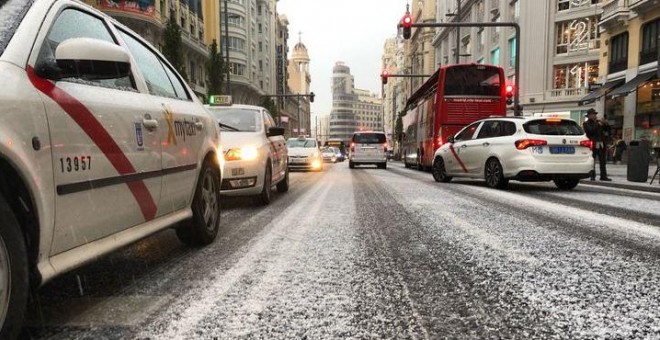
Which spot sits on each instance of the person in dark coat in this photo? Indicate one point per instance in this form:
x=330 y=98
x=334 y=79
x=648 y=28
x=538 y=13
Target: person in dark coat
x=595 y=130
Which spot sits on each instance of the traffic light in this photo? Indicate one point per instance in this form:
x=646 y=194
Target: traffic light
x=406 y=23
x=509 y=94
x=384 y=76
x=311 y=97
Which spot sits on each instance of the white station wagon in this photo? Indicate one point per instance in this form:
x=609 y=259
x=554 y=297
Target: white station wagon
x=517 y=148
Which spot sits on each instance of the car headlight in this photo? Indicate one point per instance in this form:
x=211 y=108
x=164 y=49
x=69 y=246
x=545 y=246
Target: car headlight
x=248 y=153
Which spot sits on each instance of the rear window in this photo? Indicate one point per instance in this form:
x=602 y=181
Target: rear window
x=241 y=120
x=472 y=80
x=301 y=143
x=553 y=127
x=369 y=138
x=11 y=14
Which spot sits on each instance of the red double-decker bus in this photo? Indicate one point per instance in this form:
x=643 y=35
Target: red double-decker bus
x=453 y=97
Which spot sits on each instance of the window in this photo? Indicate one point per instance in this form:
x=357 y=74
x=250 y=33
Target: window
x=260 y=47
x=235 y=20
x=514 y=10
x=77 y=24
x=565 y=5
x=553 y=127
x=260 y=29
x=570 y=76
x=649 y=52
x=512 y=52
x=468 y=132
x=495 y=56
x=497 y=128
x=237 y=69
x=618 y=53
x=236 y=44
x=579 y=35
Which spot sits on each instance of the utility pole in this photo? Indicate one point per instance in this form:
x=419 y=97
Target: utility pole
x=458 y=32
x=228 y=86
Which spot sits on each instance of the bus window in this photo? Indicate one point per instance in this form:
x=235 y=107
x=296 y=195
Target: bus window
x=472 y=81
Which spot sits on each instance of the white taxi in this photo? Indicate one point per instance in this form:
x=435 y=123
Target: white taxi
x=255 y=156
x=304 y=154
x=103 y=143
x=517 y=148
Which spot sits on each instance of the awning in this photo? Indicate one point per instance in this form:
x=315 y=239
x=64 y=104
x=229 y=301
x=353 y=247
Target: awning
x=599 y=92
x=633 y=84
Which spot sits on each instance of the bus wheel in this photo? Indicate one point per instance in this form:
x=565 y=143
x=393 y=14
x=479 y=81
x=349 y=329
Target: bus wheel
x=439 y=171
x=494 y=174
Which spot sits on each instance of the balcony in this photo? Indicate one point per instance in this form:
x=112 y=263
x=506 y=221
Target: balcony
x=566 y=94
x=614 y=13
x=642 y=6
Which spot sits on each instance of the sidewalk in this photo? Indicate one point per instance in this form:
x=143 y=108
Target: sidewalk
x=618 y=174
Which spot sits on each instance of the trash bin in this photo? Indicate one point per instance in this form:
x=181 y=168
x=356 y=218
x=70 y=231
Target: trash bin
x=638 y=161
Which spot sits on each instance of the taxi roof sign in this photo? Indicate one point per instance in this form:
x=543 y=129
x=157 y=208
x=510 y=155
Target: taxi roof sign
x=220 y=100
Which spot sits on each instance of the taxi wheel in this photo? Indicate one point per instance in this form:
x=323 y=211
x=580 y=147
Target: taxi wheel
x=203 y=227
x=566 y=183
x=13 y=274
x=265 y=196
x=351 y=164
x=494 y=174
x=439 y=171
x=283 y=185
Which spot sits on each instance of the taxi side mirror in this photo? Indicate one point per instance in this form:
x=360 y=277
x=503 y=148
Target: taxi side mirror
x=451 y=139
x=275 y=131
x=88 y=59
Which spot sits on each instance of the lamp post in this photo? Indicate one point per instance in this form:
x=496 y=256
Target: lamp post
x=227 y=48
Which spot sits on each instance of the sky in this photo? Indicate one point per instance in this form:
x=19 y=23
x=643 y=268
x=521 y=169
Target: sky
x=352 y=31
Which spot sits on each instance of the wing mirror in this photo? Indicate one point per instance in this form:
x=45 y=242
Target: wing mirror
x=451 y=139
x=86 y=58
x=275 y=131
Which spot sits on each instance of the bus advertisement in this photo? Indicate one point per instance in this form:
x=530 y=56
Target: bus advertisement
x=453 y=97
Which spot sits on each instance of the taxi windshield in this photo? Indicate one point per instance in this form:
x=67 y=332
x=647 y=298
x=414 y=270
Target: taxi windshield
x=301 y=143
x=11 y=14
x=239 y=120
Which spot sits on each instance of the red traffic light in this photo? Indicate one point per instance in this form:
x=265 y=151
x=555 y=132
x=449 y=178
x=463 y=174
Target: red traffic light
x=406 y=24
x=509 y=94
x=384 y=76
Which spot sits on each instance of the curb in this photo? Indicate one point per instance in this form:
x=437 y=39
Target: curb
x=650 y=188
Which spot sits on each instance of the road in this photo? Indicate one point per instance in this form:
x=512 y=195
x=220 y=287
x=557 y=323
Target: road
x=370 y=253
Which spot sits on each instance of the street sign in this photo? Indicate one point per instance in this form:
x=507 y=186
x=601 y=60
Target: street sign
x=220 y=100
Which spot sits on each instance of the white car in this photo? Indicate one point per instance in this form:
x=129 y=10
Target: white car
x=103 y=144
x=522 y=149
x=368 y=147
x=255 y=156
x=329 y=154
x=304 y=154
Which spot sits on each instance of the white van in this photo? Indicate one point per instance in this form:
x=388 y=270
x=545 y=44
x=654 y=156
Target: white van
x=368 y=147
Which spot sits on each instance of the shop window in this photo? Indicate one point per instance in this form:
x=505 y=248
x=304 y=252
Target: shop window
x=577 y=36
x=571 y=76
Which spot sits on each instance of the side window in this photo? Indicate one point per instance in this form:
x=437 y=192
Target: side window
x=468 y=132
x=508 y=129
x=180 y=89
x=490 y=129
x=73 y=23
x=271 y=121
x=158 y=82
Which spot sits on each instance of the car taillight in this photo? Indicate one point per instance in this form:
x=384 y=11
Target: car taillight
x=587 y=143
x=385 y=147
x=523 y=144
x=352 y=147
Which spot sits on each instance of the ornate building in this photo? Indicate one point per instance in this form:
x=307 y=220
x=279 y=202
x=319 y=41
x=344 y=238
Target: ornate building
x=299 y=83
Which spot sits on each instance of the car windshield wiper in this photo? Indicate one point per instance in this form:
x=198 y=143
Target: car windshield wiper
x=228 y=127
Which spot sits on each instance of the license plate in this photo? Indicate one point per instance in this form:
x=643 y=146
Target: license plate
x=298 y=160
x=562 y=149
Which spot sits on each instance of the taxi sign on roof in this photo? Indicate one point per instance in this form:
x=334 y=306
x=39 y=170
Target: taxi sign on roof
x=220 y=100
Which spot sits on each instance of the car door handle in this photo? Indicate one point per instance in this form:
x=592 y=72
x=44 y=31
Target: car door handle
x=463 y=146
x=199 y=125
x=149 y=124
x=485 y=144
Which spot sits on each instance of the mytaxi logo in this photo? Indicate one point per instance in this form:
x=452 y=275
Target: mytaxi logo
x=171 y=135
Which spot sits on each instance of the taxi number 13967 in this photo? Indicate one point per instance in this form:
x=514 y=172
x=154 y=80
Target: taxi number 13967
x=82 y=163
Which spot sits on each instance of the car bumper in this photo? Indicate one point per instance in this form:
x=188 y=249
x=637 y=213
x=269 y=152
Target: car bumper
x=531 y=170
x=368 y=159
x=307 y=164
x=242 y=178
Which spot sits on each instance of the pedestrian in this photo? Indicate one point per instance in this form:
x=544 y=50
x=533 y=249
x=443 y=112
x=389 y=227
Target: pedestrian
x=619 y=147
x=595 y=130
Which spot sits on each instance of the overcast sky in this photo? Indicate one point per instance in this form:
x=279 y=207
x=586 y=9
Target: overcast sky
x=352 y=31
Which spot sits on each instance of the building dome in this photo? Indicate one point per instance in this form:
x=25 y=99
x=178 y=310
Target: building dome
x=300 y=51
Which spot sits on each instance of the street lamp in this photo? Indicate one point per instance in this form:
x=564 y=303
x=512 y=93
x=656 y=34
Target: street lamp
x=227 y=16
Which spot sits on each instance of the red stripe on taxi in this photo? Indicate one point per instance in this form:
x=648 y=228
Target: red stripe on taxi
x=453 y=152
x=100 y=136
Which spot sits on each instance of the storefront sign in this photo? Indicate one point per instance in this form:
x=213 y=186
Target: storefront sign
x=143 y=7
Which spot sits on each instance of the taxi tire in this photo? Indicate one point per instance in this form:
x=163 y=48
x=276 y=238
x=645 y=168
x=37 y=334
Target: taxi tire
x=439 y=171
x=566 y=183
x=14 y=251
x=265 y=197
x=351 y=164
x=195 y=231
x=283 y=185
x=494 y=174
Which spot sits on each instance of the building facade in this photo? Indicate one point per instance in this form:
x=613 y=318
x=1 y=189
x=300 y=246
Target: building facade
x=628 y=69
x=299 y=83
x=352 y=109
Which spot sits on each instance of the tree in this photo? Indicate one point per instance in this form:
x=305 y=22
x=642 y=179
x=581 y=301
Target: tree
x=215 y=70
x=398 y=126
x=172 y=46
x=269 y=104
